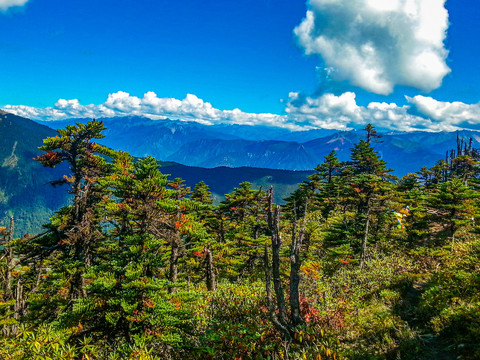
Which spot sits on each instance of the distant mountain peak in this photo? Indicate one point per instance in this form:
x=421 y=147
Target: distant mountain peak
x=235 y=145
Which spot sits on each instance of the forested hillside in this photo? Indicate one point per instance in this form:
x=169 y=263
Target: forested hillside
x=26 y=190
x=357 y=264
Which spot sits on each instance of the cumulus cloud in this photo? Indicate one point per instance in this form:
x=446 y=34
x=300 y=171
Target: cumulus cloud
x=5 y=4
x=422 y=113
x=377 y=44
x=451 y=114
x=342 y=112
x=151 y=106
x=327 y=111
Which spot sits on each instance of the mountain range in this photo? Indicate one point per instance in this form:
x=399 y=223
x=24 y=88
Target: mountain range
x=210 y=146
x=25 y=190
x=27 y=194
x=221 y=155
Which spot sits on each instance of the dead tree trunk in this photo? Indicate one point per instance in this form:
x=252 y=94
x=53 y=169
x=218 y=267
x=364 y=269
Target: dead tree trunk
x=365 y=239
x=281 y=326
x=19 y=305
x=295 y=264
x=8 y=290
x=210 y=271
x=278 y=310
x=277 y=281
x=274 y=224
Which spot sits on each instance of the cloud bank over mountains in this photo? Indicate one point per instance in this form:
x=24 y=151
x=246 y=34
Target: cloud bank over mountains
x=373 y=44
x=151 y=106
x=378 y=44
x=327 y=111
x=421 y=113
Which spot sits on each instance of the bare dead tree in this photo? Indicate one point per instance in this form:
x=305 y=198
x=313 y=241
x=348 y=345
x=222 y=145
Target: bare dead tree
x=277 y=307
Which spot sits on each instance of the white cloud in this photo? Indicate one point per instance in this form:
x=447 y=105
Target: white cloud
x=452 y=114
x=327 y=111
x=342 y=112
x=377 y=44
x=5 y=4
x=151 y=106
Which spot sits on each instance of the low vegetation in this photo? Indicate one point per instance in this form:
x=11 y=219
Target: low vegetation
x=357 y=264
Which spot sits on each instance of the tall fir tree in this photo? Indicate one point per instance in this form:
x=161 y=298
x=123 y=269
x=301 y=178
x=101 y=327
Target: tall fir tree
x=75 y=230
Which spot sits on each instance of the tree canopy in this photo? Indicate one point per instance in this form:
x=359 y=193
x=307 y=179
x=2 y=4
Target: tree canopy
x=356 y=264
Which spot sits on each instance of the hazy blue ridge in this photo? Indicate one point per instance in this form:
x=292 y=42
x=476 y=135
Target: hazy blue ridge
x=210 y=146
x=25 y=185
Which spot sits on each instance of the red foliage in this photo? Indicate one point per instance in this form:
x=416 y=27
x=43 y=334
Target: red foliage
x=198 y=254
x=50 y=158
x=308 y=311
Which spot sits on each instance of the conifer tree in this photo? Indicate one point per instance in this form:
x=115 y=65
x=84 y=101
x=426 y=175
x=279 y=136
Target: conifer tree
x=454 y=206
x=204 y=213
x=128 y=288
x=363 y=187
x=369 y=185
x=202 y=194
x=466 y=168
x=325 y=185
x=76 y=229
x=243 y=218
x=413 y=196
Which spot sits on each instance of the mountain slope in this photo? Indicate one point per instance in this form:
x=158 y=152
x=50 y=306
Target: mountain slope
x=236 y=153
x=211 y=146
x=26 y=192
x=222 y=180
x=194 y=144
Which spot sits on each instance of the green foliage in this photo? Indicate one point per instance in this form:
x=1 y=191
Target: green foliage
x=45 y=343
x=451 y=303
x=137 y=266
x=240 y=227
x=236 y=325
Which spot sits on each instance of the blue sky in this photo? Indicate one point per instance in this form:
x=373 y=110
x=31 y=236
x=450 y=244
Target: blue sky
x=339 y=67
